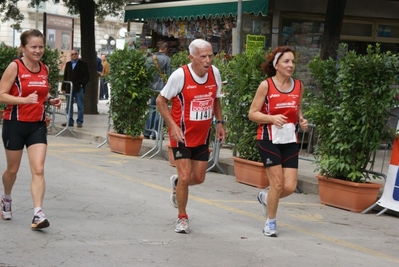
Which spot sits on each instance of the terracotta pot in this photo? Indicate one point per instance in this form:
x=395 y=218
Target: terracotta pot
x=250 y=172
x=48 y=120
x=355 y=197
x=124 y=144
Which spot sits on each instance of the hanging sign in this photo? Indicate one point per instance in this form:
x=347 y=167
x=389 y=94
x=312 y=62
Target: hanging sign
x=255 y=42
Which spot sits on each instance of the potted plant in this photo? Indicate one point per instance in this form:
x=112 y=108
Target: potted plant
x=350 y=108
x=130 y=81
x=244 y=76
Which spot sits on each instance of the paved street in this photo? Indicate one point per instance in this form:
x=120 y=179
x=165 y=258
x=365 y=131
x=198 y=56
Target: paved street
x=107 y=209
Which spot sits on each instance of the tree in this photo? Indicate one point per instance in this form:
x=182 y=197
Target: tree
x=332 y=28
x=88 y=11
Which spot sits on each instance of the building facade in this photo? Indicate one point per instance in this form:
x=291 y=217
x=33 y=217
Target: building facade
x=34 y=18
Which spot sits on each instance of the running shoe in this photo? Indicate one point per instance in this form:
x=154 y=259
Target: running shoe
x=39 y=221
x=173 y=183
x=182 y=226
x=270 y=229
x=6 y=213
x=262 y=196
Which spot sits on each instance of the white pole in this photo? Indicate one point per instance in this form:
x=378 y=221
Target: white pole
x=239 y=26
x=37 y=15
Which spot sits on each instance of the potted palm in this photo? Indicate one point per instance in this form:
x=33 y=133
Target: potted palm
x=130 y=81
x=244 y=76
x=350 y=108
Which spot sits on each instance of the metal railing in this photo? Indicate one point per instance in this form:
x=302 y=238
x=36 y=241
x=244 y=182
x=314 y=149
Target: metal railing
x=66 y=99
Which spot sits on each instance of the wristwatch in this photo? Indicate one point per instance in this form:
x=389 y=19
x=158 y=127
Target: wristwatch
x=220 y=121
x=49 y=98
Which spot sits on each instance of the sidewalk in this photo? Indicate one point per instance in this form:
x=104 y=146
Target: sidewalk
x=95 y=129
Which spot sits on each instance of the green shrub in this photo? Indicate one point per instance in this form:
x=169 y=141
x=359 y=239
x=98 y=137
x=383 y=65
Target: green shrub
x=131 y=90
x=179 y=59
x=244 y=75
x=350 y=109
x=52 y=58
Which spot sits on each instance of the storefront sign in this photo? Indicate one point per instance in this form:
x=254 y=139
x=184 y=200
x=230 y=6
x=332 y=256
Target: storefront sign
x=255 y=42
x=59 y=34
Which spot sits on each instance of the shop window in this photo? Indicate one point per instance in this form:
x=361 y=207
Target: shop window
x=388 y=31
x=305 y=37
x=357 y=29
x=296 y=32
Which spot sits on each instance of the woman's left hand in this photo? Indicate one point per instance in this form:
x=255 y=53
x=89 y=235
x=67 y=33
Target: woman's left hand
x=303 y=123
x=56 y=102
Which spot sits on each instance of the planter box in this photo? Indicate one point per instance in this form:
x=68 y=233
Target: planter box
x=250 y=172
x=355 y=197
x=124 y=144
x=48 y=121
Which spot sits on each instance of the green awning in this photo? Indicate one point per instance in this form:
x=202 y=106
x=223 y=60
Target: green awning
x=193 y=9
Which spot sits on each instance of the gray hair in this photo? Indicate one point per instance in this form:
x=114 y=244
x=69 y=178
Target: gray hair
x=197 y=44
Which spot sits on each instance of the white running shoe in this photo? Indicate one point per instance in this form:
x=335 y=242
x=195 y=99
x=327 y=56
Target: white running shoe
x=173 y=183
x=270 y=229
x=6 y=213
x=262 y=198
x=182 y=226
x=39 y=221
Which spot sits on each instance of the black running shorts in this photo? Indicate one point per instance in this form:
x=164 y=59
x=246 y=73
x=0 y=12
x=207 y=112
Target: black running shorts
x=17 y=134
x=200 y=153
x=278 y=154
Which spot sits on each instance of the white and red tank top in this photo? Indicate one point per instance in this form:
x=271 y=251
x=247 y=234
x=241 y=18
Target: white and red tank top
x=192 y=109
x=26 y=83
x=285 y=103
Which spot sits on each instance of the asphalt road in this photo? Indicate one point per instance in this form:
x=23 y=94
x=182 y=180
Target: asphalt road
x=107 y=209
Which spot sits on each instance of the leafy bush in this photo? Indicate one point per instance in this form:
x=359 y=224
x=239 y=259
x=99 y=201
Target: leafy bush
x=350 y=109
x=179 y=59
x=7 y=54
x=131 y=90
x=244 y=75
x=52 y=58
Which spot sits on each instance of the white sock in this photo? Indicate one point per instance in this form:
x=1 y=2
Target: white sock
x=7 y=196
x=36 y=210
x=271 y=220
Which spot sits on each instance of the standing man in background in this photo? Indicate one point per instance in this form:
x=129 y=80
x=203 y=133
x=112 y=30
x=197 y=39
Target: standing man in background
x=99 y=67
x=162 y=63
x=103 y=80
x=77 y=72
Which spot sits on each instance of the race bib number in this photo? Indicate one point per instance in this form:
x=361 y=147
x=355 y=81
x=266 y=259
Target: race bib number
x=201 y=110
x=284 y=135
